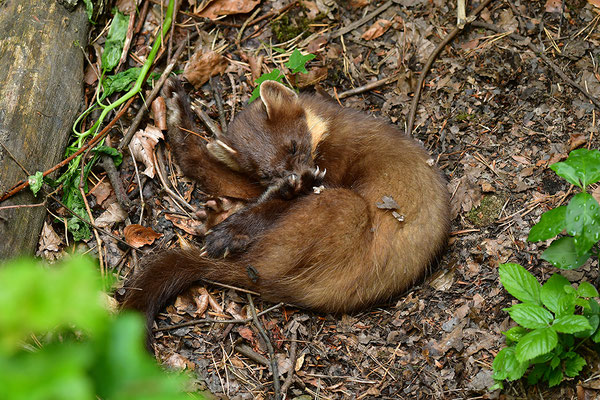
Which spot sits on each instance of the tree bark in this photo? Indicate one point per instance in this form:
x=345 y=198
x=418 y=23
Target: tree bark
x=41 y=76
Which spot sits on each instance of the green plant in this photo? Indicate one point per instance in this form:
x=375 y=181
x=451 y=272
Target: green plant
x=553 y=320
x=296 y=63
x=580 y=218
x=58 y=341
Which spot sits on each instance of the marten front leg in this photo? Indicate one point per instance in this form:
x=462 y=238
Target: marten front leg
x=192 y=154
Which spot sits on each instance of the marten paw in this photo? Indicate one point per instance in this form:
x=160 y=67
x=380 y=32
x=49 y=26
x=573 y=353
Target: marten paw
x=178 y=106
x=222 y=241
x=296 y=185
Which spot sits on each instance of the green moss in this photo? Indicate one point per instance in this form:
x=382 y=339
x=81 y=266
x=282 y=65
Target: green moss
x=488 y=210
x=464 y=117
x=287 y=28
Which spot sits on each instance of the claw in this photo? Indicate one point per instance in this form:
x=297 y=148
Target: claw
x=323 y=173
x=317 y=171
x=226 y=253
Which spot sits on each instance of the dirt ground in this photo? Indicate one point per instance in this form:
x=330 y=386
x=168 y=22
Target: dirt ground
x=494 y=114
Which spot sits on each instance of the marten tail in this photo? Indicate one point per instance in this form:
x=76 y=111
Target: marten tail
x=170 y=273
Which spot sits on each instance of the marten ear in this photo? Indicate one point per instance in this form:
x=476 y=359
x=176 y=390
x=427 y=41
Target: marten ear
x=222 y=152
x=275 y=95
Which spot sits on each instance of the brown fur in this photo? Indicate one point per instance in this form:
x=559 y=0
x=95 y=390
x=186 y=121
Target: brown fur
x=335 y=251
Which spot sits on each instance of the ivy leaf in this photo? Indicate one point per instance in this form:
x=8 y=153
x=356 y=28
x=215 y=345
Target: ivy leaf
x=520 y=283
x=530 y=316
x=586 y=289
x=537 y=342
x=571 y=324
x=35 y=182
x=583 y=221
x=562 y=254
x=506 y=365
x=274 y=75
x=114 y=41
x=553 y=290
x=574 y=366
x=551 y=224
x=297 y=62
x=581 y=168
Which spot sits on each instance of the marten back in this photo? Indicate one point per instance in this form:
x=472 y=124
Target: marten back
x=379 y=221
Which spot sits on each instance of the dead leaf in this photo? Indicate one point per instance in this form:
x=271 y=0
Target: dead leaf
x=138 y=235
x=49 y=244
x=142 y=146
x=553 y=6
x=247 y=334
x=188 y=225
x=159 y=113
x=577 y=139
x=101 y=191
x=315 y=75
x=443 y=280
x=177 y=361
x=377 y=29
x=227 y=7
x=595 y=3
x=312 y=10
x=358 y=3
x=202 y=65
x=388 y=203
x=113 y=214
x=126 y=6
x=201 y=298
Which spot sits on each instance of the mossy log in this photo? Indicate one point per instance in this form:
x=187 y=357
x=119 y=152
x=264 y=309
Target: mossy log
x=41 y=75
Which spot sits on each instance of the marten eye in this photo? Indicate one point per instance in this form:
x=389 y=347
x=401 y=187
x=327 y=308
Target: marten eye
x=294 y=148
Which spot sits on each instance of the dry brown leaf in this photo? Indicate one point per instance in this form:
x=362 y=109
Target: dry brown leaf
x=159 y=113
x=142 y=146
x=314 y=76
x=201 y=298
x=178 y=362
x=247 y=334
x=227 y=7
x=576 y=140
x=101 y=191
x=358 y=3
x=553 y=6
x=377 y=29
x=595 y=3
x=202 y=65
x=138 y=235
x=188 y=225
x=113 y=214
x=49 y=244
x=312 y=10
x=126 y=6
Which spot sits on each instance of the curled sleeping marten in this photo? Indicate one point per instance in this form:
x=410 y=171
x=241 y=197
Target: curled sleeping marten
x=343 y=211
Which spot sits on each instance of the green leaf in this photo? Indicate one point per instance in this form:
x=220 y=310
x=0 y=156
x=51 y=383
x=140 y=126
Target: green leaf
x=586 y=289
x=515 y=333
x=581 y=168
x=111 y=151
x=594 y=321
x=571 y=324
x=553 y=290
x=566 y=304
x=114 y=41
x=520 y=283
x=274 y=75
x=538 y=371
x=551 y=224
x=583 y=221
x=35 y=182
x=506 y=365
x=297 y=62
x=555 y=377
x=562 y=254
x=530 y=316
x=89 y=9
x=574 y=366
x=537 y=342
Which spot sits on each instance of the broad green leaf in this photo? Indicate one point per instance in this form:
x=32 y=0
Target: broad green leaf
x=586 y=289
x=515 y=333
x=297 y=62
x=520 y=283
x=114 y=41
x=562 y=254
x=274 y=75
x=538 y=371
x=574 y=366
x=537 y=342
x=35 y=182
x=89 y=9
x=530 y=316
x=554 y=362
x=555 y=377
x=594 y=321
x=571 y=324
x=551 y=224
x=596 y=336
x=552 y=291
x=594 y=306
x=581 y=168
x=583 y=221
x=506 y=365
x=566 y=304
x=111 y=151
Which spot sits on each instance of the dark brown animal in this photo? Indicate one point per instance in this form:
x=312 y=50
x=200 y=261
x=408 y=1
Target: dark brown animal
x=378 y=223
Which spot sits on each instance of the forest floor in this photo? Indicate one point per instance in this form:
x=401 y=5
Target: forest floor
x=494 y=115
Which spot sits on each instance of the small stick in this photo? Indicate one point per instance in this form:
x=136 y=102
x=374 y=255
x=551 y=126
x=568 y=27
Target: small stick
x=143 y=14
x=367 y=87
x=361 y=21
x=251 y=354
x=98 y=241
x=115 y=180
x=137 y=175
x=216 y=89
x=290 y=376
x=273 y=365
x=207 y=121
x=23 y=206
x=415 y=102
x=23 y=184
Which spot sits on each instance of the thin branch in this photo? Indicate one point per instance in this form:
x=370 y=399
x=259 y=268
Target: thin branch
x=361 y=21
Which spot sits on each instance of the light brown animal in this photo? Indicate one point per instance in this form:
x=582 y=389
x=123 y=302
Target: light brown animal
x=339 y=250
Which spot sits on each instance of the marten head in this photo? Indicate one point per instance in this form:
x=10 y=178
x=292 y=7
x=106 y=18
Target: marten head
x=271 y=138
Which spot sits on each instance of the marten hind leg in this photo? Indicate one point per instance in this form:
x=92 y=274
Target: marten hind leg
x=196 y=161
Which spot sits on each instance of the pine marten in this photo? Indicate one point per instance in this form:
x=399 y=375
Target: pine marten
x=379 y=222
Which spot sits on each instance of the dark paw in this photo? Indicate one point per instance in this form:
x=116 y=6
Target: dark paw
x=296 y=185
x=178 y=106
x=223 y=240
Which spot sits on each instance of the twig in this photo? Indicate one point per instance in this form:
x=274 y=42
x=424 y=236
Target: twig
x=216 y=321
x=143 y=14
x=415 y=102
x=178 y=199
x=368 y=86
x=22 y=206
x=216 y=89
x=273 y=364
x=293 y=347
x=541 y=55
x=251 y=354
x=98 y=241
x=14 y=158
x=245 y=24
x=206 y=120
x=361 y=21
x=142 y=112
x=23 y=184
x=140 y=188
x=115 y=180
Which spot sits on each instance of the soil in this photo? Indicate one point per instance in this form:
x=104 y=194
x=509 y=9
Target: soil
x=493 y=113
